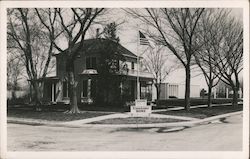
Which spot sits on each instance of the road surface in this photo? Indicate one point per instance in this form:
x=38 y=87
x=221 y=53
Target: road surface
x=211 y=137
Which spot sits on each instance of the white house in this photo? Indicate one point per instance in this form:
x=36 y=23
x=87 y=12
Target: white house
x=175 y=90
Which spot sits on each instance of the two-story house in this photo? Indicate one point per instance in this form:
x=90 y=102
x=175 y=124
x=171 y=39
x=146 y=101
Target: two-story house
x=56 y=89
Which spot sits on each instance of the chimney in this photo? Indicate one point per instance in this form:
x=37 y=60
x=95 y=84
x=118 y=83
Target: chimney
x=97 y=32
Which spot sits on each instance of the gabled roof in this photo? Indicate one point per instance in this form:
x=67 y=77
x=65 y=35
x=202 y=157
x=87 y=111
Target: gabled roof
x=94 y=45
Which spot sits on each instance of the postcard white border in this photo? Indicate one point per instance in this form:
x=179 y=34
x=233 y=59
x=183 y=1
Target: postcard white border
x=124 y=154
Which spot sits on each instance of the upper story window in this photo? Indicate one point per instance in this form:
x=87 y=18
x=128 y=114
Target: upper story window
x=132 y=65
x=91 y=62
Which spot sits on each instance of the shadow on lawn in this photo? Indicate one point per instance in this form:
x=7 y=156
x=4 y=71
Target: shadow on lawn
x=64 y=107
x=49 y=114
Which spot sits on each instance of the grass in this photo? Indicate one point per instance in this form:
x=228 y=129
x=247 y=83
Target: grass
x=55 y=113
x=52 y=115
x=64 y=107
x=193 y=101
x=115 y=108
x=136 y=120
x=204 y=112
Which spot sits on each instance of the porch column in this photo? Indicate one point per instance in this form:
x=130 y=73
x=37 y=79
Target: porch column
x=52 y=94
x=226 y=92
x=89 y=89
x=30 y=95
x=121 y=87
x=138 y=90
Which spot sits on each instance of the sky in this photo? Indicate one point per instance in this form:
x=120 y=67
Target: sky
x=128 y=31
x=128 y=34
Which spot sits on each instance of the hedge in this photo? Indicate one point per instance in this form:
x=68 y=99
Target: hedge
x=193 y=101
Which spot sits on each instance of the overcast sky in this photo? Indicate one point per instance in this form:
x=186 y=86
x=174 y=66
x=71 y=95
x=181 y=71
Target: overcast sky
x=128 y=32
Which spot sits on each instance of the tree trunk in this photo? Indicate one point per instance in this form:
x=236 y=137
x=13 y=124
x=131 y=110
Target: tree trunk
x=157 y=91
x=72 y=86
x=13 y=95
x=187 y=88
x=36 y=96
x=209 y=96
x=235 y=96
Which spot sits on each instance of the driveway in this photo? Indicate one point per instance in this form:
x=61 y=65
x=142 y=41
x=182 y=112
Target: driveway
x=225 y=136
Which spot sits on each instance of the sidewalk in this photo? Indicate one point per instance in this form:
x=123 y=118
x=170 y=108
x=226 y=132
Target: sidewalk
x=189 y=123
x=123 y=115
x=86 y=122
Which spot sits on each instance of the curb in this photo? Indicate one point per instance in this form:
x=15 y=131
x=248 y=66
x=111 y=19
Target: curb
x=40 y=123
x=173 y=124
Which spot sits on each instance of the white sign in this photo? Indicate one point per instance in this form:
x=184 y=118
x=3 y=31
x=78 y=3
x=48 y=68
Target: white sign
x=140 y=109
x=140 y=102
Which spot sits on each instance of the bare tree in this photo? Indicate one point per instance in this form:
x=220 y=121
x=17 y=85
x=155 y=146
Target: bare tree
x=27 y=37
x=75 y=23
x=209 y=26
x=175 y=28
x=156 y=61
x=229 y=54
x=14 y=71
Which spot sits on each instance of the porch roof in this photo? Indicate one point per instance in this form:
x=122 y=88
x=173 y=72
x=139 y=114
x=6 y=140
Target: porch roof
x=89 y=72
x=131 y=74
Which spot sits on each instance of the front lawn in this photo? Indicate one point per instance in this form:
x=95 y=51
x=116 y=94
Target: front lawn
x=82 y=107
x=204 y=112
x=52 y=115
x=137 y=120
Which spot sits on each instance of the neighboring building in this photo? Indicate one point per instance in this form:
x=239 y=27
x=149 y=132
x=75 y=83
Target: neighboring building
x=225 y=91
x=56 y=89
x=171 y=90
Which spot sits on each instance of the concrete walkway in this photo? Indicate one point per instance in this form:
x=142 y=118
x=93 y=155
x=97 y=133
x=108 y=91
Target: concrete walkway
x=158 y=125
x=86 y=122
x=123 y=115
x=90 y=120
x=126 y=115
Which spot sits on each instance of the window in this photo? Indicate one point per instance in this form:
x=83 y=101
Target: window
x=132 y=65
x=88 y=62
x=93 y=88
x=91 y=62
x=66 y=92
x=84 y=88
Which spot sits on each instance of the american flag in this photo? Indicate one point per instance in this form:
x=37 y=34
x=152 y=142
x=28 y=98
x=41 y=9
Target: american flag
x=143 y=39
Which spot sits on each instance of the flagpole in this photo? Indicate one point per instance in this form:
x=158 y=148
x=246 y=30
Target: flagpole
x=138 y=65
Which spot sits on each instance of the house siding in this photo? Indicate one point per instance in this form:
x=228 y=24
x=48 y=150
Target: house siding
x=80 y=66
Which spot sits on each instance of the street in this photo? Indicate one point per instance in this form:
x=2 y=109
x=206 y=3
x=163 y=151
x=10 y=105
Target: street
x=225 y=136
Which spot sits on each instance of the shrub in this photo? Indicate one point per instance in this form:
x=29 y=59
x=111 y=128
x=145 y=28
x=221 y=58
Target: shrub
x=193 y=102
